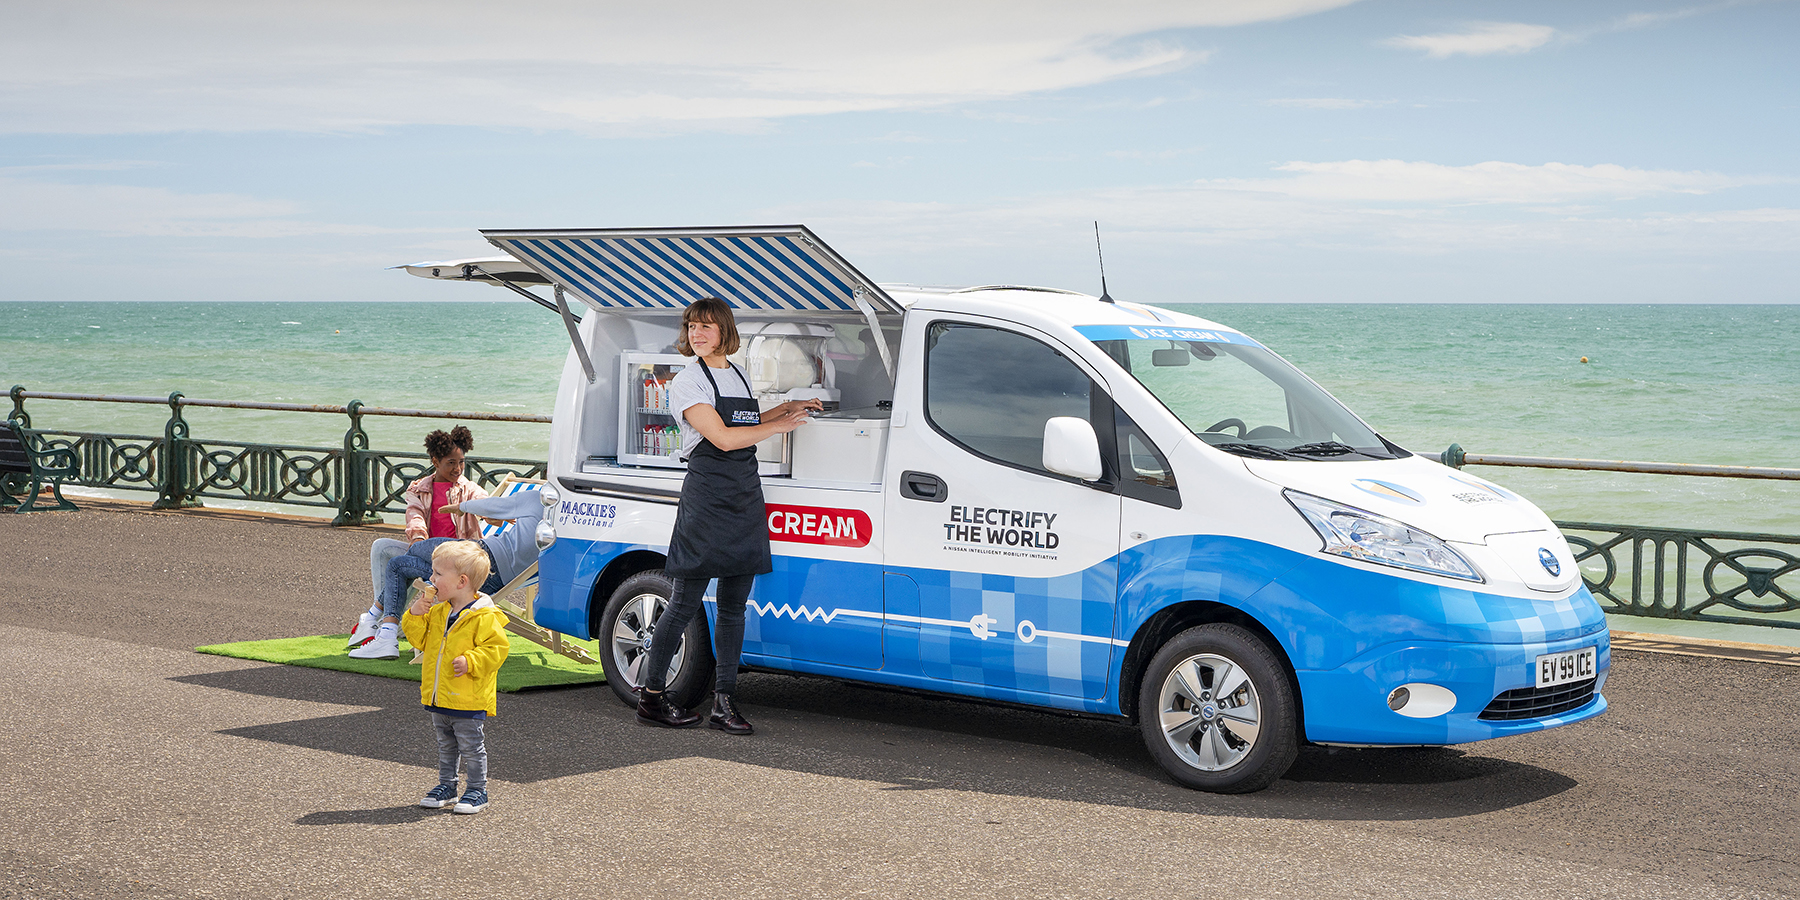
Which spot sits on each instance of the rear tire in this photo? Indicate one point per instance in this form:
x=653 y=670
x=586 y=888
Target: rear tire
x=1217 y=710
x=627 y=624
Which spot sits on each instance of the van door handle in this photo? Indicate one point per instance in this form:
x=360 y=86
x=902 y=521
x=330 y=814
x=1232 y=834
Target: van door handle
x=923 y=486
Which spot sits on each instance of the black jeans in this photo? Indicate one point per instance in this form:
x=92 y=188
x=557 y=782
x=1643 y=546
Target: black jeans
x=728 y=635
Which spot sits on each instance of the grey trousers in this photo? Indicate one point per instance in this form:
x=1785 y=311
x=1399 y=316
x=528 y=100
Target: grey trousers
x=461 y=738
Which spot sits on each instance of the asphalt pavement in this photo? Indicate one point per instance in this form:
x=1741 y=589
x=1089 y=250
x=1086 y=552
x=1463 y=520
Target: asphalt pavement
x=133 y=767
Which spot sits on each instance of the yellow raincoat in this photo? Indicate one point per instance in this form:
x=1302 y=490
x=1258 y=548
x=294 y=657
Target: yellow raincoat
x=479 y=637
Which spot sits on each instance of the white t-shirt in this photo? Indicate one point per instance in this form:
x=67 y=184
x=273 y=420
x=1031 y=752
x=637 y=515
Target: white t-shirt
x=689 y=387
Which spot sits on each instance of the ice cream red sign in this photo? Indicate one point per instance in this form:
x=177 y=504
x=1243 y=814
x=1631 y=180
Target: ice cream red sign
x=819 y=525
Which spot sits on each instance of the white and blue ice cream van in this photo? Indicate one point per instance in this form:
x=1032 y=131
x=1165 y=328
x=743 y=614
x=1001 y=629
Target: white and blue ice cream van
x=1040 y=497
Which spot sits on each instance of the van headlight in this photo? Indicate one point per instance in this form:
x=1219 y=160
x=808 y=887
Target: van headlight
x=546 y=535
x=1348 y=531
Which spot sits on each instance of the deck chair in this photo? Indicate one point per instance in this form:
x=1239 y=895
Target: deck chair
x=517 y=597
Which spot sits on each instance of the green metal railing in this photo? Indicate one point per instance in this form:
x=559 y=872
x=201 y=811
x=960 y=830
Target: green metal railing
x=358 y=482
x=1736 y=578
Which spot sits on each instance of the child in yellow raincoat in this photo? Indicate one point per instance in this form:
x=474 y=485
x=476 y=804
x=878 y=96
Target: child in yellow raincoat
x=463 y=638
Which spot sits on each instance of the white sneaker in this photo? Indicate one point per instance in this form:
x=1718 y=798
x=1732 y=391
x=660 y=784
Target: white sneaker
x=379 y=647
x=365 y=629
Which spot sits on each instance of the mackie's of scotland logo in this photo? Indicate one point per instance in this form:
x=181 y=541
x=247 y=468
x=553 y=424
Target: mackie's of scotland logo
x=1549 y=561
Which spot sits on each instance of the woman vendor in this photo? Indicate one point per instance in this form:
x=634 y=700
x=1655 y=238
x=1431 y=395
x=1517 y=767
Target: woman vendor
x=720 y=530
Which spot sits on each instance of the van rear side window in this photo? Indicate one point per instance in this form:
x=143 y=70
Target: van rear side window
x=992 y=390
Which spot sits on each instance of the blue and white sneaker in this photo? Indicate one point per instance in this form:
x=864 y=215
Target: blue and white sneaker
x=441 y=796
x=472 y=802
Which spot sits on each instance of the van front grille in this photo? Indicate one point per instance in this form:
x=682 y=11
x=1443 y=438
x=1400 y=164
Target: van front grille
x=1536 y=703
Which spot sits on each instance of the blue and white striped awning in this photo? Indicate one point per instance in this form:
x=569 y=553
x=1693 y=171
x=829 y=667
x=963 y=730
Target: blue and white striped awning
x=772 y=270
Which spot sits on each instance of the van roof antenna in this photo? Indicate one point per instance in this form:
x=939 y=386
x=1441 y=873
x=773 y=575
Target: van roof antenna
x=1104 y=296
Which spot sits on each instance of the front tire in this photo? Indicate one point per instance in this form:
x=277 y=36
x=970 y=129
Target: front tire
x=627 y=625
x=1217 y=710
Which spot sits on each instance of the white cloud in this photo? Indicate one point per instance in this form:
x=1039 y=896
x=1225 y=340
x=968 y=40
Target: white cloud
x=1664 y=17
x=1481 y=39
x=127 y=210
x=114 y=66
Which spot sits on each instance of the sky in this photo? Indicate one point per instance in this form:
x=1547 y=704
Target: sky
x=1231 y=151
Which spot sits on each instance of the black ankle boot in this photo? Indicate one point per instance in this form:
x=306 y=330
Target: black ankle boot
x=725 y=716
x=654 y=708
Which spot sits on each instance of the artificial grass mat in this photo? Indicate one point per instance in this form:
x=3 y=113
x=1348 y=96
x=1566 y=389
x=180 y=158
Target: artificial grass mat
x=527 y=665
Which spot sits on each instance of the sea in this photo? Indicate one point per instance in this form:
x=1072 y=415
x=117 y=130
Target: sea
x=1702 y=384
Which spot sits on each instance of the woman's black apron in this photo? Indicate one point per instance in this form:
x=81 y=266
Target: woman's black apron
x=720 y=527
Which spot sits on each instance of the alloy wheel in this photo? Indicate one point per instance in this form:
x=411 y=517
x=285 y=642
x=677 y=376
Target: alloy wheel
x=1210 y=712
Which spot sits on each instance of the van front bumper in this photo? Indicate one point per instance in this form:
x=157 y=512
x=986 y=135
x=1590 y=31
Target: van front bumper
x=1349 y=704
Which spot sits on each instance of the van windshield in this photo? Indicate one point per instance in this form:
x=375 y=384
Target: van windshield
x=1245 y=400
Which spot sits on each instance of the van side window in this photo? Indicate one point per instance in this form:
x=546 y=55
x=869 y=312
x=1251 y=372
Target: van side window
x=1144 y=473
x=991 y=391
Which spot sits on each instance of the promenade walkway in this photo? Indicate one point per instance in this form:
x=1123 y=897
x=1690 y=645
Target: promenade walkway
x=133 y=767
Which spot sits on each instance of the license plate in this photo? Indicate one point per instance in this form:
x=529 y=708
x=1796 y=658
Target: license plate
x=1558 y=668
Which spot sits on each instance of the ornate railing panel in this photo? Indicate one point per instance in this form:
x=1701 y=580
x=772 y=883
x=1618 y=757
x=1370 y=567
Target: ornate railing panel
x=358 y=482
x=270 y=473
x=1702 y=576
x=127 y=461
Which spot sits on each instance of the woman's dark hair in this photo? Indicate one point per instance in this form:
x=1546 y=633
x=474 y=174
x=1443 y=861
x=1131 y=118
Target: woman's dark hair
x=438 y=443
x=713 y=311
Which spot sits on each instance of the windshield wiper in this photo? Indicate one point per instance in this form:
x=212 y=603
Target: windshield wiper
x=1324 y=448
x=1260 y=451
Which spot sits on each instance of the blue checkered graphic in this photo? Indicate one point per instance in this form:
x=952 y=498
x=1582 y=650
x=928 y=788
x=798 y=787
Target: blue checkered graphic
x=1067 y=618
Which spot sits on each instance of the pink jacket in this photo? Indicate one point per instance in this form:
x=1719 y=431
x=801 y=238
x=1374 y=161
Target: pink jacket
x=418 y=509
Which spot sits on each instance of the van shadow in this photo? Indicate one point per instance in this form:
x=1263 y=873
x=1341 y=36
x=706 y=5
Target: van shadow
x=912 y=742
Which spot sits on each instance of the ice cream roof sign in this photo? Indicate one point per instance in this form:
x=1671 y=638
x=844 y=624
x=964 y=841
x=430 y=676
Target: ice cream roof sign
x=1163 y=333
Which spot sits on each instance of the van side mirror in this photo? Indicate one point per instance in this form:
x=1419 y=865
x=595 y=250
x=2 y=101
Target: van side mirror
x=1071 y=448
